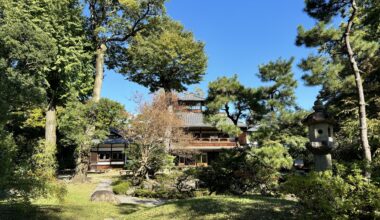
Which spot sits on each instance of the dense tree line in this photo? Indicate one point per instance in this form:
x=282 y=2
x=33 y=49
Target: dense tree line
x=52 y=58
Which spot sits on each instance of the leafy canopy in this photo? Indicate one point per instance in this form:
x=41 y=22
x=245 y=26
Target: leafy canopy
x=166 y=58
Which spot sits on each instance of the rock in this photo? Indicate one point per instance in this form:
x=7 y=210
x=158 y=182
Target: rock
x=187 y=185
x=130 y=191
x=149 y=184
x=104 y=196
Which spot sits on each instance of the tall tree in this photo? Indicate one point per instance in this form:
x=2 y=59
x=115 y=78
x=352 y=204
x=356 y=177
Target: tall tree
x=43 y=59
x=167 y=58
x=62 y=66
x=281 y=125
x=112 y=24
x=346 y=54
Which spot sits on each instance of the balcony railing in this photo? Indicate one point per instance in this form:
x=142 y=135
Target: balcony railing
x=228 y=140
x=213 y=142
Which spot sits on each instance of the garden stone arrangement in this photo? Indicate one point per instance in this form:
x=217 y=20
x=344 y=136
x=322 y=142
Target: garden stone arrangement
x=103 y=193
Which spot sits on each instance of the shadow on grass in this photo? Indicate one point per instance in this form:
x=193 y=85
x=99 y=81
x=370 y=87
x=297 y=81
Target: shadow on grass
x=55 y=212
x=125 y=209
x=243 y=207
x=21 y=211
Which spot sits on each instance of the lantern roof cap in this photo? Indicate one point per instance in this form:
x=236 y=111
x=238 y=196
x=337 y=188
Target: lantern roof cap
x=319 y=115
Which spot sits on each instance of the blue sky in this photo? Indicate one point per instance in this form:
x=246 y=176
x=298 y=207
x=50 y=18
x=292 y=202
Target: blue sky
x=239 y=35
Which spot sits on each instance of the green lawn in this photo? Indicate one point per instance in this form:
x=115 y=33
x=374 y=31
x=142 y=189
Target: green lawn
x=220 y=207
x=78 y=206
x=75 y=206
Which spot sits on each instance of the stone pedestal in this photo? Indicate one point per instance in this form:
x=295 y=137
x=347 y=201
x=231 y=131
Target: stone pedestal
x=320 y=135
x=322 y=162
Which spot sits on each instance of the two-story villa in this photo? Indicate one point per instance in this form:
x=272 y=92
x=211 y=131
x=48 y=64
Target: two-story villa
x=207 y=142
x=207 y=139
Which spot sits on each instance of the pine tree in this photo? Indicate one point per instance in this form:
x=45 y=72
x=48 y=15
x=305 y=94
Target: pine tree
x=347 y=61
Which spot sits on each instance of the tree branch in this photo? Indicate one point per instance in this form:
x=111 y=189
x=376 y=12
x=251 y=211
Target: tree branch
x=134 y=30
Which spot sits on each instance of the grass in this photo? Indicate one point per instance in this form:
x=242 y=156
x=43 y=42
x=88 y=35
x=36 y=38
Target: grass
x=78 y=206
x=220 y=207
x=75 y=206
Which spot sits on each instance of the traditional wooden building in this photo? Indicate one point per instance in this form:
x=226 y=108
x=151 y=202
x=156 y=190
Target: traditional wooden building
x=205 y=147
x=208 y=141
x=110 y=153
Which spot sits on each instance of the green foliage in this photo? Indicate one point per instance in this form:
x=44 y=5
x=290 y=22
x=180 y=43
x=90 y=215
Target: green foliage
x=272 y=154
x=121 y=187
x=115 y=22
x=330 y=68
x=26 y=176
x=223 y=123
x=168 y=57
x=250 y=105
x=329 y=196
x=280 y=95
x=44 y=43
x=7 y=155
x=84 y=125
x=237 y=103
x=43 y=59
x=163 y=193
x=285 y=128
x=376 y=169
x=238 y=171
x=77 y=120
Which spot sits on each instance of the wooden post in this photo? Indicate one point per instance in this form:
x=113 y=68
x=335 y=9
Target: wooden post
x=111 y=156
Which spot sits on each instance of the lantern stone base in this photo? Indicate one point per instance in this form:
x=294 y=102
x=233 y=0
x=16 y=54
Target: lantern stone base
x=322 y=162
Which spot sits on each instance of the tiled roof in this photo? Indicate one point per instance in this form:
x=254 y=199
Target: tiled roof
x=190 y=97
x=115 y=141
x=192 y=119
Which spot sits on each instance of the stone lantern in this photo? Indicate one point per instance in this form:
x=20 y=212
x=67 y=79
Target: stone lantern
x=321 y=139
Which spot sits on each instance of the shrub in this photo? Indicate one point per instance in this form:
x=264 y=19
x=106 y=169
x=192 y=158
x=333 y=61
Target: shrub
x=238 y=171
x=163 y=193
x=165 y=186
x=145 y=193
x=331 y=196
x=121 y=187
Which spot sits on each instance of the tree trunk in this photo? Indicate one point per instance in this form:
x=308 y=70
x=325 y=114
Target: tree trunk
x=81 y=168
x=359 y=87
x=51 y=126
x=99 y=72
x=168 y=131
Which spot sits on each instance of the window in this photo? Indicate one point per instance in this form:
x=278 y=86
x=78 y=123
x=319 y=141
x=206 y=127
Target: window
x=202 y=158
x=117 y=156
x=329 y=132
x=190 y=161
x=104 y=156
x=181 y=160
x=320 y=131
